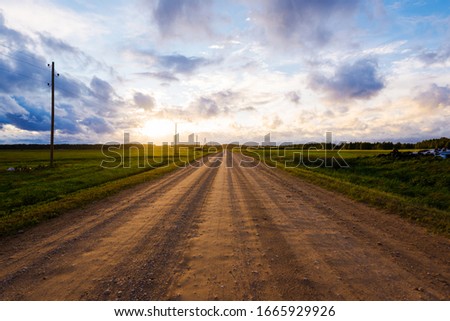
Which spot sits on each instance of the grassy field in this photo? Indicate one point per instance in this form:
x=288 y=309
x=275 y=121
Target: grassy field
x=416 y=188
x=34 y=191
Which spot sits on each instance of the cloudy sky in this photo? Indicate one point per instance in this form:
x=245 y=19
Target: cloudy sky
x=225 y=70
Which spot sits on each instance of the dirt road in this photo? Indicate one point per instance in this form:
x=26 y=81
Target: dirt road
x=222 y=233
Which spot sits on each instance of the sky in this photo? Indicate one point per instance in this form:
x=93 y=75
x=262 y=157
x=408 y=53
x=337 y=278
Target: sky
x=228 y=71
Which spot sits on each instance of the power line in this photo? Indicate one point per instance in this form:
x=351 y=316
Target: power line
x=41 y=81
x=18 y=52
x=22 y=75
x=33 y=65
x=22 y=61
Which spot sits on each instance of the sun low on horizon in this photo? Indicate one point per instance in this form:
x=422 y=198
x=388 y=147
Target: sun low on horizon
x=225 y=71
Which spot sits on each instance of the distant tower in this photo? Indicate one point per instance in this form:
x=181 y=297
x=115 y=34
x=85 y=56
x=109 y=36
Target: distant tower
x=176 y=137
x=191 y=139
x=126 y=138
x=267 y=141
x=329 y=140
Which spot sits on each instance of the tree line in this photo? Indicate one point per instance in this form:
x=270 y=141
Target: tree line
x=442 y=142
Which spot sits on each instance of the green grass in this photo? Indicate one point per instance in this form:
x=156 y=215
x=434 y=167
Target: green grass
x=416 y=188
x=35 y=192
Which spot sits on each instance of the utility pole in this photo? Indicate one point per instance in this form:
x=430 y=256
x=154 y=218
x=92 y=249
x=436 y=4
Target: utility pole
x=52 y=133
x=52 y=130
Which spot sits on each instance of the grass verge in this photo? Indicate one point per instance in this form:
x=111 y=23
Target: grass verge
x=436 y=220
x=31 y=215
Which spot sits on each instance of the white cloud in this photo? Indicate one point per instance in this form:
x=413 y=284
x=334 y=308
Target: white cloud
x=308 y=24
x=144 y=101
x=186 y=19
x=10 y=106
x=358 y=80
x=30 y=16
x=385 y=49
x=435 y=97
x=229 y=77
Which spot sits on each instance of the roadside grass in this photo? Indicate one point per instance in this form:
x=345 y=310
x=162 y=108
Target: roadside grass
x=415 y=188
x=35 y=192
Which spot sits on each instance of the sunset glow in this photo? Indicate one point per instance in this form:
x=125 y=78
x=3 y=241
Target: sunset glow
x=228 y=71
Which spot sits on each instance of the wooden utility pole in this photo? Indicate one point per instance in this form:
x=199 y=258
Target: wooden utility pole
x=52 y=133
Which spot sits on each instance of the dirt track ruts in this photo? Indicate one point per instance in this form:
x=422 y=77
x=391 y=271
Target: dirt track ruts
x=223 y=232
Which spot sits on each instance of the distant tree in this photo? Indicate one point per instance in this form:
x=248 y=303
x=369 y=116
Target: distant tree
x=433 y=143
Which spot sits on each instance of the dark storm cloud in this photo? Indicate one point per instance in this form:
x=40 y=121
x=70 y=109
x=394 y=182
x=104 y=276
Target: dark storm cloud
x=67 y=124
x=182 y=64
x=306 y=22
x=37 y=118
x=183 y=18
x=99 y=96
x=214 y=104
x=34 y=120
x=24 y=86
x=103 y=100
x=101 y=89
x=167 y=67
x=144 y=101
x=359 y=80
x=22 y=70
x=30 y=123
x=17 y=111
x=70 y=88
x=205 y=107
x=97 y=124
x=18 y=76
